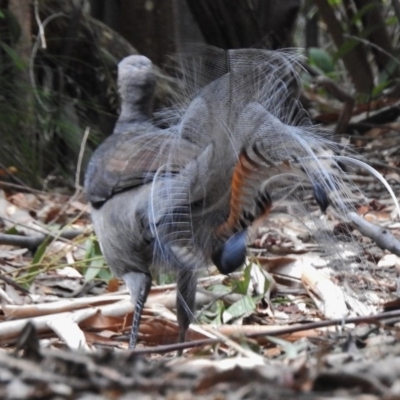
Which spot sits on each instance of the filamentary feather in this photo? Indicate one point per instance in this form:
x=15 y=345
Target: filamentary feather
x=184 y=196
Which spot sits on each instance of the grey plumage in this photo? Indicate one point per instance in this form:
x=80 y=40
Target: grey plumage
x=180 y=197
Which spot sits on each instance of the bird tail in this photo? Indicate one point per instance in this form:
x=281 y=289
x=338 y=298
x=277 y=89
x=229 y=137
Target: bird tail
x=265 y=153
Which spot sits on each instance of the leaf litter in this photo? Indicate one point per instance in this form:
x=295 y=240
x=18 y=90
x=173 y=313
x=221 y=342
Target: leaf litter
x=284 y=327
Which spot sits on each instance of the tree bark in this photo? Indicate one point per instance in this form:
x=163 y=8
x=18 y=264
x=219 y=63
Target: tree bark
x=358 y=68
x=312 y=27
x=241 y=23
x=374 y=25
x=21 y=9
x=150 y=26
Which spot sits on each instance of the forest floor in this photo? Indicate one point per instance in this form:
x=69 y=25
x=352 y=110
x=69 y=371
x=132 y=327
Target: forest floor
x=293 y=324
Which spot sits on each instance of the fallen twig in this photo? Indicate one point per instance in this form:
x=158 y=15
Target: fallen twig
x=381 y=236
x=263 y=331
x=33 y=241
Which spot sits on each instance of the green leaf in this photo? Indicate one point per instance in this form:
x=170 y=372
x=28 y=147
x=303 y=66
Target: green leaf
x=93 y=269
x=220 y=290
x=359 y=14
x=392 y=21
x=164 y=278
x=380 y=88
x=105 y=274
x=321 y=59
x=18 y=62
x=291 y=349
x=239 y=309
x=242 y=285
x=12 y=231
x=38 y=257
x=96 y=262
x=345 y=48
x=215 y=315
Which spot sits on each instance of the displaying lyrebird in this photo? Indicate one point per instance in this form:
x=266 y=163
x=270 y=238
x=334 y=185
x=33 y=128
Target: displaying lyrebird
x=180 y=197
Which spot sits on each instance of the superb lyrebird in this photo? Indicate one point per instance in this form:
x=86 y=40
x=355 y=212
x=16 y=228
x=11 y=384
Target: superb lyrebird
x=183 y=196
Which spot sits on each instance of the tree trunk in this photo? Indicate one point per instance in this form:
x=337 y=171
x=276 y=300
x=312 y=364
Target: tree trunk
x=150 y=26
x=242 y=23
x=358 y=67
x=22 y=11
x=374 y=25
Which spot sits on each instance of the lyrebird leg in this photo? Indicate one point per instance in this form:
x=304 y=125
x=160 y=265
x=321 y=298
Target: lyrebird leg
x=138 y=284
x=185 y=300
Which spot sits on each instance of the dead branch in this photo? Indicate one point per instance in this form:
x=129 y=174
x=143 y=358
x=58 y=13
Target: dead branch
x=381 y=236
x=32 y=242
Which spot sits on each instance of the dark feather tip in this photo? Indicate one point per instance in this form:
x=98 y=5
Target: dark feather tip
x=320 y=196
x=232 y=254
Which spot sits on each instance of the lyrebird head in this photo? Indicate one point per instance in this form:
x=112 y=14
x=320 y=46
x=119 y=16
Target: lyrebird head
x=136 y=94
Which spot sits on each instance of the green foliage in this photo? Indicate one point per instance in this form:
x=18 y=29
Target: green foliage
x=322 y=61
x=12 y=231
x=164 y=278
x=94 y=260
x=39 y=253
x=241 y=286
x=335 y=3
x=360 y=42
x=46 y=106
x=239 y=309
x=380 y=88
x=291 y=350
x=357 y=18
x=222 y=312
x=16 y=59
x=37 y=264
x=345 y=48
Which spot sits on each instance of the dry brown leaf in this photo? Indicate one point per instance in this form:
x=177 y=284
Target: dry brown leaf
x=328 y=297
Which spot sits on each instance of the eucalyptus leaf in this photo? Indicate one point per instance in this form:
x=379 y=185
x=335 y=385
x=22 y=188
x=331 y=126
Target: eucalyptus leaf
x=291 y=350
x=220 y=290
x=18 y=62
x=95 y=260
x=321 y=59
x=239 y=309
x=39 y=253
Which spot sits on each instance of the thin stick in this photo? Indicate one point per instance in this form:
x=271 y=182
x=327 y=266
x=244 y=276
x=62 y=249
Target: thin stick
x=80 y=158
x=78 y=188
x=277 y=332
x=40 y=25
